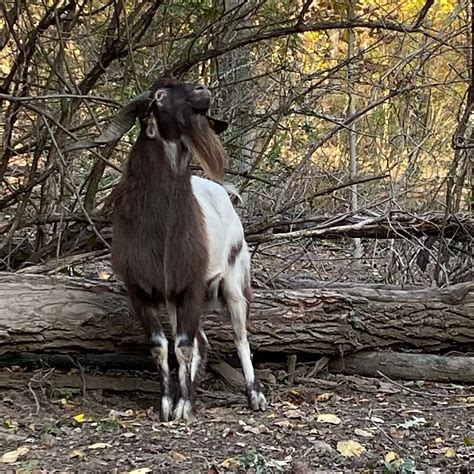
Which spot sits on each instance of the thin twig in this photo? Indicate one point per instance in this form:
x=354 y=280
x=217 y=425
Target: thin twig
x=38 y=407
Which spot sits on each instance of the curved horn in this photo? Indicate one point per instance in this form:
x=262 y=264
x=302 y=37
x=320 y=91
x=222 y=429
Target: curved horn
x=123 y=121
x=119 y=126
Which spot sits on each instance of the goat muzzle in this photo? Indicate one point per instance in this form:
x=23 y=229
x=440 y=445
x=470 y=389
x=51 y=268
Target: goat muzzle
x=201 y=99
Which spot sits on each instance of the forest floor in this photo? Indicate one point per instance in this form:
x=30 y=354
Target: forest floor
x=335 y=423
x=329 y=423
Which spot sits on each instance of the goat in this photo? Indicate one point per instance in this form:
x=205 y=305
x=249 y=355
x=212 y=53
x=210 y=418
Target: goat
x=177 y=239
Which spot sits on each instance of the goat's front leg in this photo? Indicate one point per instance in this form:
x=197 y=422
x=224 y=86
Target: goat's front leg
x=147 y=313
x=188 y=346
x=159 y=351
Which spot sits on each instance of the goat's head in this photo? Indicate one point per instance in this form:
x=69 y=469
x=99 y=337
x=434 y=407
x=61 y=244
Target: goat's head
x=173 y=112
x=176 y=114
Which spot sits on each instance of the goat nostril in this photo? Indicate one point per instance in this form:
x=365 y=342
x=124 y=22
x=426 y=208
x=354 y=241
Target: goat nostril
x=200 y=88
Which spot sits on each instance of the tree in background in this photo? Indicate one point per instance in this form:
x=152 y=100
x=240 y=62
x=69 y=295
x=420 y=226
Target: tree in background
x=283 y=72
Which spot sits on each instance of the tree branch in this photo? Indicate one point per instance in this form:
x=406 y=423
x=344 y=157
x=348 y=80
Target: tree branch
x=184 y=65
x=422 y=14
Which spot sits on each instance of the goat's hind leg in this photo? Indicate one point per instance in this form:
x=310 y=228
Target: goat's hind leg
x=237 y=295
x=147 y=312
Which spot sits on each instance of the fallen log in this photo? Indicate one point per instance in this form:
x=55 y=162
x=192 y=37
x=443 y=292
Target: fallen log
x=70 y=316
x=394 y=225
x=397 y=365
x=119 y=382
x=57 y=379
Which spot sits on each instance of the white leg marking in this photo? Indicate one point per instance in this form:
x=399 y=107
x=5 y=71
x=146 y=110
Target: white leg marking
x=180 y=349
x=166 y=408
x=183 y=409
x=196 y=360
x=184 y=354
x=159 y=339
x=183 y=375
x=178 y=410
x=243 y=350
x=160 y=354
x=238 y=312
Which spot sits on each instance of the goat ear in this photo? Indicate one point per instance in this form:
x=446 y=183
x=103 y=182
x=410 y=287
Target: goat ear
x=218 y=126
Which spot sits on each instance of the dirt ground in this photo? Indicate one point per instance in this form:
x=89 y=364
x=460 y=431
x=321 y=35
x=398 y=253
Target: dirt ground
x=332 y=423
x=325 y=424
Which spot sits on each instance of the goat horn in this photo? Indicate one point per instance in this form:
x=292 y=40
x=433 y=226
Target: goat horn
x=119 y=126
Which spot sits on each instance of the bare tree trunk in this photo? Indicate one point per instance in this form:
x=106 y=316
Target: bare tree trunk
x=352 y=128
x=234 y=74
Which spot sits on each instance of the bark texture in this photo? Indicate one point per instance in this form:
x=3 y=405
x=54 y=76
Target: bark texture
x=61 y=315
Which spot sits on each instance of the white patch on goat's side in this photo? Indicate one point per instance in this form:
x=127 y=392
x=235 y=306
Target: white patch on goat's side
x=223 y=229
x=222 y=224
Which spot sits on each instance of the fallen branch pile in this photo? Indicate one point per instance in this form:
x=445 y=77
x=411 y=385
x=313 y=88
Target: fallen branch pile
x=80 y=238
x=394 y=225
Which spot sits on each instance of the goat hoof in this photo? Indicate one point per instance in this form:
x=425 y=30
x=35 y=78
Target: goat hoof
x=184 y=410
x=257 y=400
x=166 y=408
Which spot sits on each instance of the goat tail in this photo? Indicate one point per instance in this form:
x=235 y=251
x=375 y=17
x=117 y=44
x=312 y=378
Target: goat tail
x=233 y=192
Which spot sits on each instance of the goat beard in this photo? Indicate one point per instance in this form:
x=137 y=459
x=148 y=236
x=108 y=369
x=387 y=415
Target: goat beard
x=205 y=145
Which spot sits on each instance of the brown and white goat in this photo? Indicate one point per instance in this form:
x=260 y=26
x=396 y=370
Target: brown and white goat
x=177 y=239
